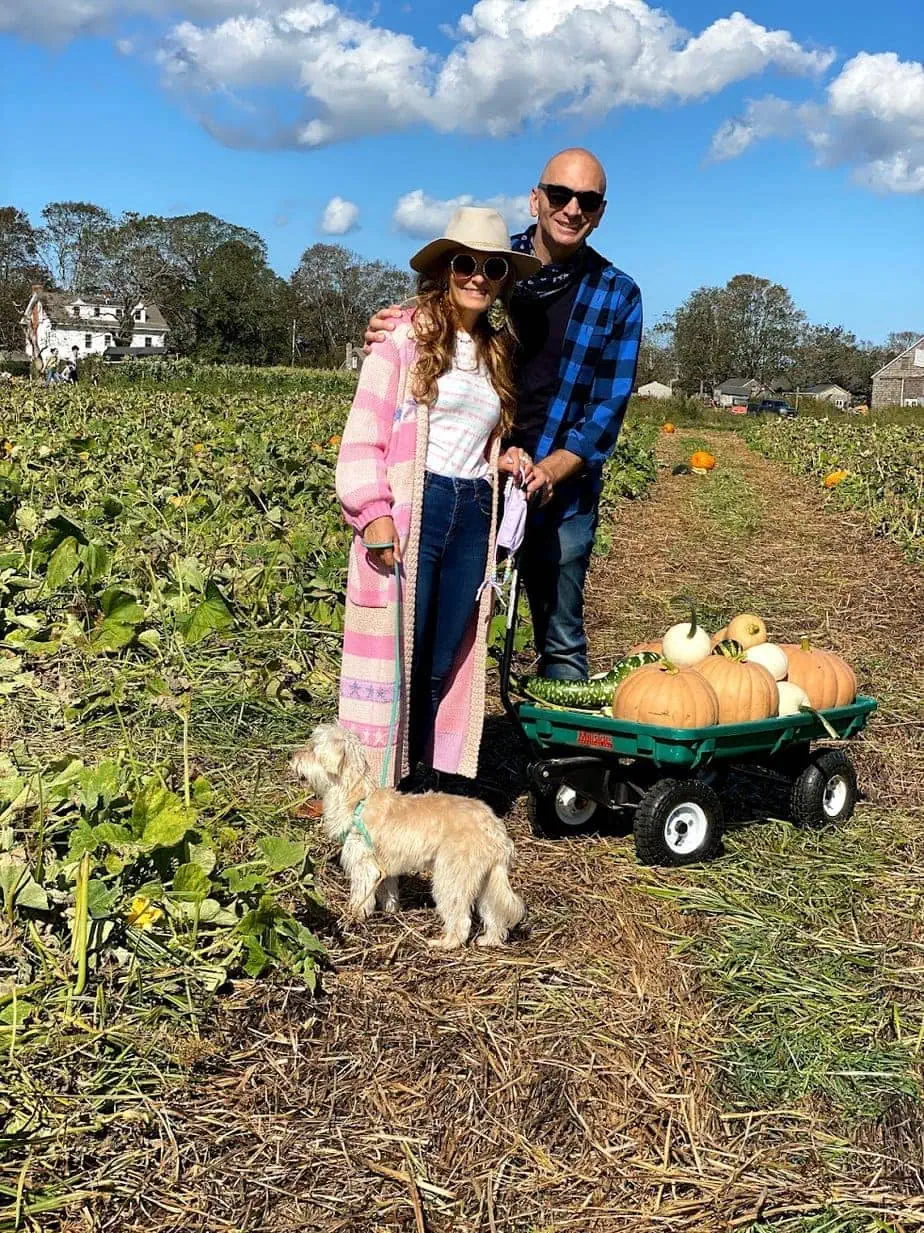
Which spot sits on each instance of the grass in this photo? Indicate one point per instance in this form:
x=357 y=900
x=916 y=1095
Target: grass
x=817 y=1005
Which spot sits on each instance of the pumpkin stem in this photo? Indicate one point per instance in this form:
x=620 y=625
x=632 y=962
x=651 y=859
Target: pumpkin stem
x=685 y=599
x=805 y=644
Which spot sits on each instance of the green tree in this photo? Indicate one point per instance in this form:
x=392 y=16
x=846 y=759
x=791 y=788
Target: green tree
x=748 y=328
x=193 y=240
x=239 y=307
x=335 y=293
x=20 y=267
x=71 y=238
x=136 y=266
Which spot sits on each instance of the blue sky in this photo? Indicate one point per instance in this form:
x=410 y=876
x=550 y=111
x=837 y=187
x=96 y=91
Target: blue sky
x=787 y=142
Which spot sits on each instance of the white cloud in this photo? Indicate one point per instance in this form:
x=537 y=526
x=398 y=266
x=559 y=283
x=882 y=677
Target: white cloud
x=514 y=62
x=872 y=119
x=418 y=214
x=339 y=217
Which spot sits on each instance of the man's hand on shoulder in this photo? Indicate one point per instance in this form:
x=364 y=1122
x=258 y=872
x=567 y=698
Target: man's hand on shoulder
x=381 y=324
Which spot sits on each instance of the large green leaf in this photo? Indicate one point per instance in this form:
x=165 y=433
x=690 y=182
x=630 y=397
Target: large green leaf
x=191 y=882
x=101 y=899
x=99 y=783
x=281 y=853
x=112 y=636
x=120 y=605
x=62 y=565
x=211 y=616
x=160 y=817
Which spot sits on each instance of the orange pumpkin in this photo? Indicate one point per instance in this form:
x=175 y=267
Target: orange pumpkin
x=668 y=696
x=746 y=692
x=826 y=678
x=703 y=460
x=668 y=428
x=646 y=646
x=834 y=478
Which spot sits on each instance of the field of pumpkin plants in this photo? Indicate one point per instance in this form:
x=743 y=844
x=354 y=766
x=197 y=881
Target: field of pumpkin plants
x=872 y=466
x=172 y=567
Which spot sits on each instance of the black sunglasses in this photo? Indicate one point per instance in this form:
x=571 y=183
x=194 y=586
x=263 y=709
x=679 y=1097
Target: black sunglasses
x=559 y=195
x=495 y=269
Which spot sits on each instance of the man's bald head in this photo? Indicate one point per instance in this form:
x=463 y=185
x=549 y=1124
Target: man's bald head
x=577 y=168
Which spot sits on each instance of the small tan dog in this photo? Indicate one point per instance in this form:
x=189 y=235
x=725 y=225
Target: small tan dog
x=459 y=840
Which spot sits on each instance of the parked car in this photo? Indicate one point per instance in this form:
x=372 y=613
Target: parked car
x=772 y=406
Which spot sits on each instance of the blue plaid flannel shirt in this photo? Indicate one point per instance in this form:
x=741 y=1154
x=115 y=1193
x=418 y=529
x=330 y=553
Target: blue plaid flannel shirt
x=597 y=373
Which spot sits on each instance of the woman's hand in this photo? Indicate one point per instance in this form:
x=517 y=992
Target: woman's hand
x=380 y=531
x=516 y=462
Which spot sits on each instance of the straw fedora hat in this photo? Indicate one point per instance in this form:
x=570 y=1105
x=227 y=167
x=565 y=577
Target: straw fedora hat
x=480 y=229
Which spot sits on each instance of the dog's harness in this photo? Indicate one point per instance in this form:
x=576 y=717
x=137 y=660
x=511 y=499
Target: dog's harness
x=357 y=824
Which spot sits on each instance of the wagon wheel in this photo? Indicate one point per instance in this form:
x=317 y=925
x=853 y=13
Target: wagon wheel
x=678 y=822
x=825 y=793
x=563 y=811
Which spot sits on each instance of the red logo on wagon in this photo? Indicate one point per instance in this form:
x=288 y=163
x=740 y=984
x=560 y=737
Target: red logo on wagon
x=599 y=740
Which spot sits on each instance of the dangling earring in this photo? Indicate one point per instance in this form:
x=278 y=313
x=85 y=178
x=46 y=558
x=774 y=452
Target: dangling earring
x=497 y=315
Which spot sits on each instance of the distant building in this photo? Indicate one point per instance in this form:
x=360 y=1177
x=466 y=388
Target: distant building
x=830 y=392
x=354 y=358
x=738 y=391
x=66 y=319
x=900 y=383
x=655 y=389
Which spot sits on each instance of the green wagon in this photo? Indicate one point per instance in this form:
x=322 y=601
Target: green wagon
x=586 y=765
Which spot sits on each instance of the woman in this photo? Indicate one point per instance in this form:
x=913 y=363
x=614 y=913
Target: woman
x=416 y=478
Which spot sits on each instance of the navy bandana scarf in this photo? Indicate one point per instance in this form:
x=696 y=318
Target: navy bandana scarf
x=549 y=279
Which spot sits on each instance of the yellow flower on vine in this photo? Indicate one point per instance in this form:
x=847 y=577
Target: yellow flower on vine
x=143 y=914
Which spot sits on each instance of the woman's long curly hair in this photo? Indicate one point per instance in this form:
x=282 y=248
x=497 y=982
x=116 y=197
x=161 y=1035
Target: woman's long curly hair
x=435 y=326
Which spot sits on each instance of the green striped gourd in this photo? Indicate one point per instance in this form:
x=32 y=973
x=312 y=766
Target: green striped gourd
x=585 y=695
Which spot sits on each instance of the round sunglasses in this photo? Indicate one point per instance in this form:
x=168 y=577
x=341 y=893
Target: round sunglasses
x=560 y=194
x=495 y=269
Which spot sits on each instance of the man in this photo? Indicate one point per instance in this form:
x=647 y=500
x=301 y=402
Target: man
x=579 y=322
x=73 y=367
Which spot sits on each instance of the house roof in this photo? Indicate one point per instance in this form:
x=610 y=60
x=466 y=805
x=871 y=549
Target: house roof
x=737 y=385
x=57 y=304
x=823 y=386
x=914 y=346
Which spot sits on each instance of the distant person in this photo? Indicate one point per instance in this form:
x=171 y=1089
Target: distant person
x=416 y=478
x=75 y=364
x=51 y=366
x=579 y=322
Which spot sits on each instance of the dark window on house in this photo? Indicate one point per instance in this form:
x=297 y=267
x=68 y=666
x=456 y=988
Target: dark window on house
x=107 y=340
x=88 y=342
x=147 y=342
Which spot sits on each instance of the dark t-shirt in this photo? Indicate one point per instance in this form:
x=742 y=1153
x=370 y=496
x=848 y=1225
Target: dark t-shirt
x=540 y=325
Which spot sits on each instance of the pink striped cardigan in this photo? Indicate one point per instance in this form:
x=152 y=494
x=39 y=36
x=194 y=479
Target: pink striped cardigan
x=380 y=471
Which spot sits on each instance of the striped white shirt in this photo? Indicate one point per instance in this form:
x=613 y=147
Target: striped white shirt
x=466 y=412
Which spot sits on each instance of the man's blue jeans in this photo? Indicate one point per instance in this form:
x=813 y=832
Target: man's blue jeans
x=451 y=560
x=554 y=563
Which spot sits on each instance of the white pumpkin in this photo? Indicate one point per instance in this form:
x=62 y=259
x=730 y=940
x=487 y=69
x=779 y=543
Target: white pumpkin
x=769 y=656
x=792 y=698
x=686 y=644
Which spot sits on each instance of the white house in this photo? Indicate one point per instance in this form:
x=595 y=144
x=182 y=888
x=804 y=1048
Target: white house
x=655 y=389
x=829 y=391
x=65 y=320
x=738 y=391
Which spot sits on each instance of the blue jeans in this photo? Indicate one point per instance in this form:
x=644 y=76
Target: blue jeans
x=454 y=528
x=554 y=563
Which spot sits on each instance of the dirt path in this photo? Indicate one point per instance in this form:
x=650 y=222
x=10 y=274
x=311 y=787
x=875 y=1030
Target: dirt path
x=576 y=1081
